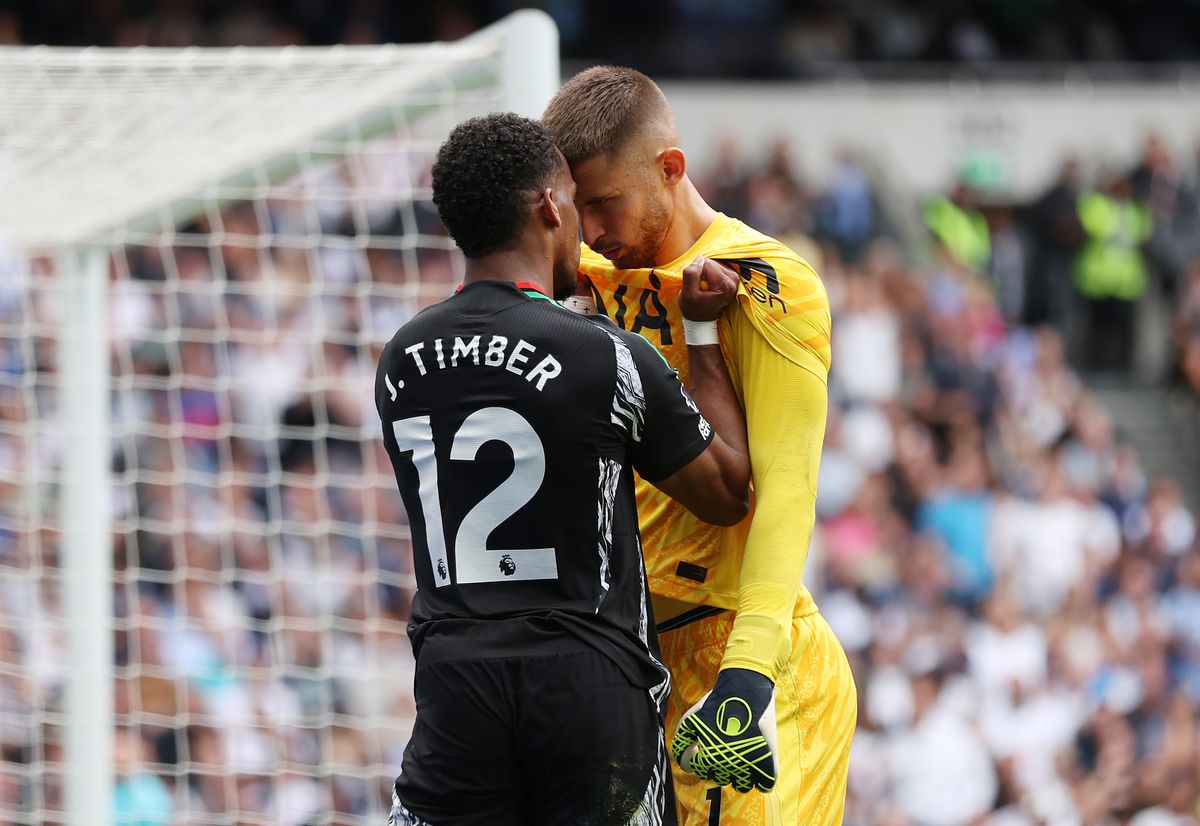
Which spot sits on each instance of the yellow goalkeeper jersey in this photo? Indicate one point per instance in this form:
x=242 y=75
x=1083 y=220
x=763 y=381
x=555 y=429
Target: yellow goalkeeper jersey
x=776 y=343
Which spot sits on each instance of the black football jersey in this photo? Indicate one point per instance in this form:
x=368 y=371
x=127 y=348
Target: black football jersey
x=514 y=427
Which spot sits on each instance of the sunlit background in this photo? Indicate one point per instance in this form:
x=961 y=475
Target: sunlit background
x=1003 y=200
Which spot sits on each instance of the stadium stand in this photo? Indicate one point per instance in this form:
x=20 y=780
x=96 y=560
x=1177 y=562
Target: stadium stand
x=1019 y=596
x=774 y=38
x=1019 y=599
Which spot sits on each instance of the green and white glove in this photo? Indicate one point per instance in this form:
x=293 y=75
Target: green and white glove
x=729 y=736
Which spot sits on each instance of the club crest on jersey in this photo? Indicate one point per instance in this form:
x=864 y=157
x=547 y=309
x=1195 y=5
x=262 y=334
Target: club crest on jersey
x=766 y=293
x=441 y=569
x=507 y=566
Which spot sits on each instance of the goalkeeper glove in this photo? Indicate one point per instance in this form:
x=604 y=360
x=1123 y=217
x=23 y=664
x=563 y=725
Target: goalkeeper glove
x=729 y=736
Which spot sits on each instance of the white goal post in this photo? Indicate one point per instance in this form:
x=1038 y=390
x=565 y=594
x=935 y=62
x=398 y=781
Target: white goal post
x=201 y=252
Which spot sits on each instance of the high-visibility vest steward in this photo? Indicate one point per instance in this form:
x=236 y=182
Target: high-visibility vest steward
x=1111 y=265
x=963 y=233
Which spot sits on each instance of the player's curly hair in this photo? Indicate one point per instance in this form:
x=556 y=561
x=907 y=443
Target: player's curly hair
x=483 y=174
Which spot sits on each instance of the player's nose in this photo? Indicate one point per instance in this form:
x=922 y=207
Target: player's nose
x=591 y=230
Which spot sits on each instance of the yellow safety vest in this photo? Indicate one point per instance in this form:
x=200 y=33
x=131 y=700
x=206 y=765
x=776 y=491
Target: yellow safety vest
x=1110 y=265
x=964 y=234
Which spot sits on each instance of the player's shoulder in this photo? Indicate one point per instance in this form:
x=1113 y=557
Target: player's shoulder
x=495 y=299
x=591 y=327
x=628 y=345
x=751 y=244
x=594 y=339
x=606 y=326
x=774 y=274
x=427 y=318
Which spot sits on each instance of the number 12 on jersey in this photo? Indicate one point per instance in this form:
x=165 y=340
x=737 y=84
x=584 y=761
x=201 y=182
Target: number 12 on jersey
x=472 y=561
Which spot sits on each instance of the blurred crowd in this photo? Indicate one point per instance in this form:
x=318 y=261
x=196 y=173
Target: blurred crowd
x=1019 y=598
x=262 y=568
x=1084 y=257
x=688 y=38
x=1089 y=255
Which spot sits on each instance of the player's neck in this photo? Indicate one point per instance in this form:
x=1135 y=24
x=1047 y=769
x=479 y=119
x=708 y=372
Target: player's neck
x=512 y=265
x=692 y=217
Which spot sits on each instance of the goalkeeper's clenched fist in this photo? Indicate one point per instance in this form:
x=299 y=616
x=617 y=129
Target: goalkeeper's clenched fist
x=729 y=736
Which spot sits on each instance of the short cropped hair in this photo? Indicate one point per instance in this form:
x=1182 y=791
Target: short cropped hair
x=484 y=173
x=600 y=109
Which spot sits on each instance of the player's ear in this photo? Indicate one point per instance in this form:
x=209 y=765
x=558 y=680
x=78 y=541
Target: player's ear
x=673 y=165
x=550 y=209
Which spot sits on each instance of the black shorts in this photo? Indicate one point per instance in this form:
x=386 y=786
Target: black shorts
x=556 y=740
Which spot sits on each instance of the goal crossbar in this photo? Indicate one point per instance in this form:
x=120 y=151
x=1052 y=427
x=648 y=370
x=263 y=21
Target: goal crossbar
x=72 y=174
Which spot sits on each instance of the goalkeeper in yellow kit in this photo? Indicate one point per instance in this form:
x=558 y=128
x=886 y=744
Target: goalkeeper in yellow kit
x=764 y=705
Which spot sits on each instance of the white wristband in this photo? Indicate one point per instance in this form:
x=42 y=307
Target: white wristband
x=700 y=333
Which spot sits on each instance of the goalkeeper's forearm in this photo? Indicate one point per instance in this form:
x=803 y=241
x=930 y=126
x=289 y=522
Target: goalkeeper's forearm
x=785 y=452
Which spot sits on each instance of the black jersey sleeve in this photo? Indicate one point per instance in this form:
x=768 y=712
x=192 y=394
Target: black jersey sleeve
x=675 y=432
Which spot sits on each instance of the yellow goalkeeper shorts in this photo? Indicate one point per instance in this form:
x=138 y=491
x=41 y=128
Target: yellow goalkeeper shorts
x=816 y=706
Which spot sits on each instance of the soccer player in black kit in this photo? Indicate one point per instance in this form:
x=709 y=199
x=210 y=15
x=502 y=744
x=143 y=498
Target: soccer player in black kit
x=514 y=427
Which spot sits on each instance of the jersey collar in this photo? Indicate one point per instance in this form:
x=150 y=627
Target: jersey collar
x=530 y=289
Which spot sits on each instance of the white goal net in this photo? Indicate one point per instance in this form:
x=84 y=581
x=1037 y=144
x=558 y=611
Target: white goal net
x=205 y=571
